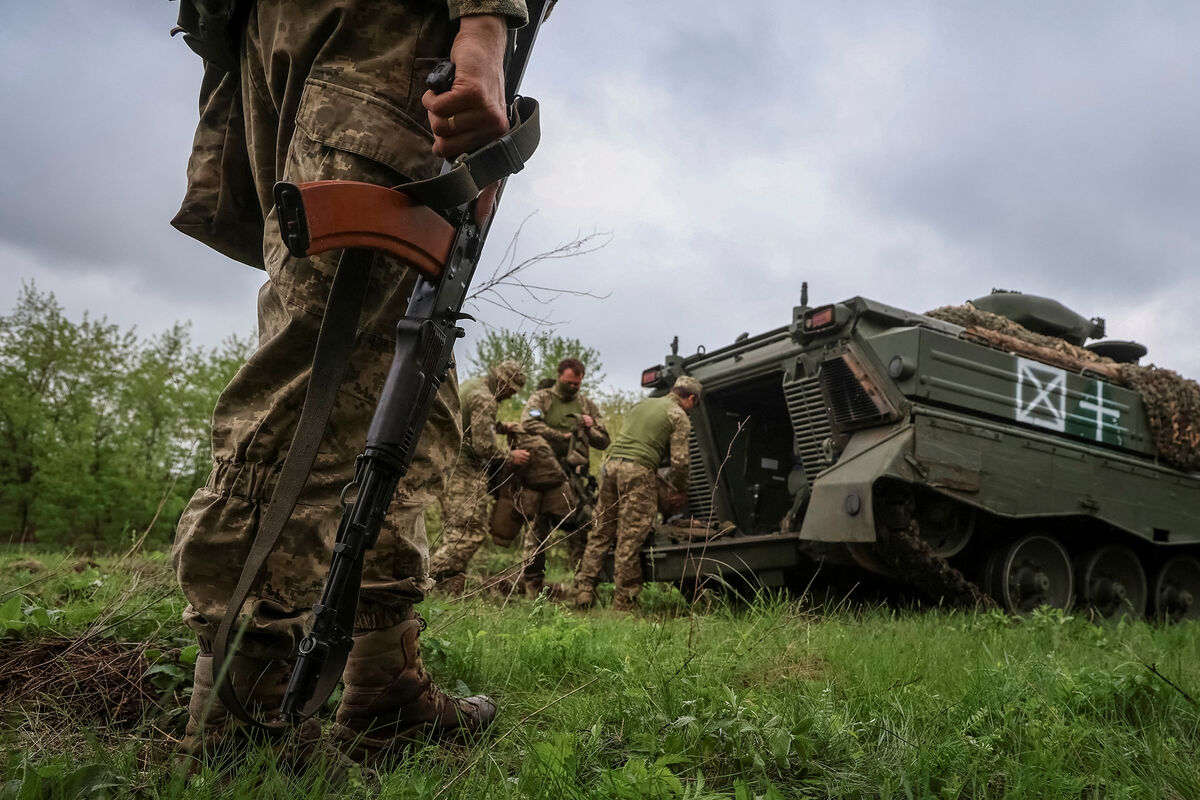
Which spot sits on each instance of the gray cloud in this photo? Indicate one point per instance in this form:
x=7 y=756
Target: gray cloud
x=96 y=163
x=916 y=152
x=1058 y=146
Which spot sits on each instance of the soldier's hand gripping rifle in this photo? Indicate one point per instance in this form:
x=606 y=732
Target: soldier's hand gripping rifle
x=438 y=227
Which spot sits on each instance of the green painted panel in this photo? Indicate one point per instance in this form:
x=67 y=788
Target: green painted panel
x=1026 y=473
x=960 y=374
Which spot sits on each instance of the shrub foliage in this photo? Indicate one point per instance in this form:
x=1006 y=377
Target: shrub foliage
x=103 y=433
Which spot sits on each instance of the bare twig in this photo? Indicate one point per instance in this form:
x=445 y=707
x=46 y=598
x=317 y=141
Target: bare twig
x=702 y=580
x=507 y=275
x=141 y=540
x=49 y=574
x=1154 y=669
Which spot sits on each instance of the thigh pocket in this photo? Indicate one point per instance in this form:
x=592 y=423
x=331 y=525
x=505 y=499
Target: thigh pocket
x=346 y=134
x=362 y=124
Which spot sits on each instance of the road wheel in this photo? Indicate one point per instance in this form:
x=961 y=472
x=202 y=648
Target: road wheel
x=1030 y=572
x=946 y=526
x=865 y=556
x=1177 y=589
x=1112 y=583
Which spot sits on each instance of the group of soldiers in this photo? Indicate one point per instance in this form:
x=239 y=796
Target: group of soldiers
x=542 y=481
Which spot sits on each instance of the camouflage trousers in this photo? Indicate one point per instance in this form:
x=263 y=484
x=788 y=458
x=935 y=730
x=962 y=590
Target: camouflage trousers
x=625 y=512
x=546 y=510
x=330 y=92
x=464 y=521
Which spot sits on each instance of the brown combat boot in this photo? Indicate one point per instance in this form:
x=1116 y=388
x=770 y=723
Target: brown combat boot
x=624 y=602
x=390 y=701
x=534 y=584
x=585 y=597
x=261 y=685
x=452 y=585
x=212 y=732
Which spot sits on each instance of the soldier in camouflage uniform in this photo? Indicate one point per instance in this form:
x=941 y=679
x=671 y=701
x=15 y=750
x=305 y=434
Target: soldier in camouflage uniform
x=571 y=424
x=465 y=503
x=327 y=89
x=654 y=428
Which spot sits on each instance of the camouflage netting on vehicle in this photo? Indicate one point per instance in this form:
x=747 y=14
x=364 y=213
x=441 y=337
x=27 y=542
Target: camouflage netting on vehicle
x=1172 y=401
x=1173 y=407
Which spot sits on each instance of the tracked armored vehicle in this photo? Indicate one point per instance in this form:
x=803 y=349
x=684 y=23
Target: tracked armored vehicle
x=976 y=453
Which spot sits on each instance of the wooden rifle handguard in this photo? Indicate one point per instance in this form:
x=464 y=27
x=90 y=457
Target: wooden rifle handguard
x=331 y=215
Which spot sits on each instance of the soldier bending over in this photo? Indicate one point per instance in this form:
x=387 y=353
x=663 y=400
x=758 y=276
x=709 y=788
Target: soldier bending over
x=628 y=490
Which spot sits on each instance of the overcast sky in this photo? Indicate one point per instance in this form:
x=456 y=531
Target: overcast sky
x=916 y=153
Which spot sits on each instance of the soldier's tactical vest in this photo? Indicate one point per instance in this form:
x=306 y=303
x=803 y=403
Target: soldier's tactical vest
x=563 y=416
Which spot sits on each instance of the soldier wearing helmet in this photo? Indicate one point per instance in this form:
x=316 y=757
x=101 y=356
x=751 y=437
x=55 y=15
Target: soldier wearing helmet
x=464 y=504
x=654 y=429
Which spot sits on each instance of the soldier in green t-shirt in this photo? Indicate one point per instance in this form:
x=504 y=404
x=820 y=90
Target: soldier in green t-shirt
x=654 y=428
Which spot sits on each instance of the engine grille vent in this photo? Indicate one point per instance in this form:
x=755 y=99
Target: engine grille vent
x=810 y=423
x=700 y=488
x=850 y=403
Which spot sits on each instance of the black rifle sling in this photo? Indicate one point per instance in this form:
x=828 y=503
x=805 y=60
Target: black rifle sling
x=335 y=342
x=494 y=161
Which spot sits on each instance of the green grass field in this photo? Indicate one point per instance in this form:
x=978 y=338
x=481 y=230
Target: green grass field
x=768 y=700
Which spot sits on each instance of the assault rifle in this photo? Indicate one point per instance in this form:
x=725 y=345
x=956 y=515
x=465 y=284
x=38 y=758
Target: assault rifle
x=437 y=226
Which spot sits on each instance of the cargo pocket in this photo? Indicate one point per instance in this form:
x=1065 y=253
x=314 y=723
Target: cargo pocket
x=221 y=207
x=363 y=124
x=351 y=135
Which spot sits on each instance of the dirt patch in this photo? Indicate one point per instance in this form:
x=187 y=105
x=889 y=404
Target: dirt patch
x=75 y=681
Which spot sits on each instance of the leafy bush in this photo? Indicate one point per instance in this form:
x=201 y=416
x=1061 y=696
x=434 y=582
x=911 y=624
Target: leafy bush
x=105 y=435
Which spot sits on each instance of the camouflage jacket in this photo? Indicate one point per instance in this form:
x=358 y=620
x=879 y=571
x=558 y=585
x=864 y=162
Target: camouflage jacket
x=353 y=76
x=479 y=407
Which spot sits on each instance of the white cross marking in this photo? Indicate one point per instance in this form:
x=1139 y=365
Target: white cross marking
x=1043 y=395
x=1102 y=411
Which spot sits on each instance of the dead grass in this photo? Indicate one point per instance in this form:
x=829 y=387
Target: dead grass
x=68 y=682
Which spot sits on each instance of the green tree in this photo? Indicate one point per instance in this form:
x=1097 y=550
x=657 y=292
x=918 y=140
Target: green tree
x=52 y=375
x=101 y=434
x=539 y=353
